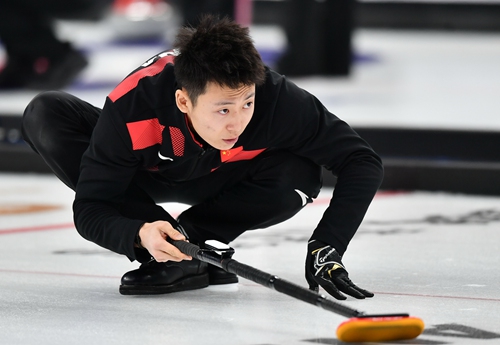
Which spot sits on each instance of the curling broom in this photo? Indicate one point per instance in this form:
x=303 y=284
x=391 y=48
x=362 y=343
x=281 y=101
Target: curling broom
x=360 y=327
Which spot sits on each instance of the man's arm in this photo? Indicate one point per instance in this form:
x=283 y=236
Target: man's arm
x=304 y=126
x=107 y=168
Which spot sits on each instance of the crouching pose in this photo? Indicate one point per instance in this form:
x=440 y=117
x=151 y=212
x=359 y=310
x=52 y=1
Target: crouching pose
x=209 y=125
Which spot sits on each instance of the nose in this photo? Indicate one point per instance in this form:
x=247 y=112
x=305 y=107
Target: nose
x=235 y=124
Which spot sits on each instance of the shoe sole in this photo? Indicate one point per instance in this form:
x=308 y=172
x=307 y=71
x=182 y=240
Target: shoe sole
x=185 y=284
x=219 y=276
x=225 y=280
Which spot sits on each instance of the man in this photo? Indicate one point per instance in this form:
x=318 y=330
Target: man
x=209 y=125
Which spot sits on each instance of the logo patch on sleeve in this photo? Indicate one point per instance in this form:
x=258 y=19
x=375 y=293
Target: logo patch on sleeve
x=145 y=133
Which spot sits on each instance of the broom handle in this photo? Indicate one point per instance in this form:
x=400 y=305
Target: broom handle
x=265 y=279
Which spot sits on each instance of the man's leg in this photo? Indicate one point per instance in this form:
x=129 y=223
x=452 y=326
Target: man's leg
x=58 y=127
x=272 y=188
x=241 y=196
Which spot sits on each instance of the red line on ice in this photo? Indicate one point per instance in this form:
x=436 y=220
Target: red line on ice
x=37 y=228
x=317 y=202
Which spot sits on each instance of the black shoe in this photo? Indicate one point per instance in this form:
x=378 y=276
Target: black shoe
x=218 y=276
x=43 y=73
x=165 y=277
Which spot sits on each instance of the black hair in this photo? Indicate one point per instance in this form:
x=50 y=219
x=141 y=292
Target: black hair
x=218 y=50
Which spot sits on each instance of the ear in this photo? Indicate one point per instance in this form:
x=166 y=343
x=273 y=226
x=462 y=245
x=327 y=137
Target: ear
x=182 y=100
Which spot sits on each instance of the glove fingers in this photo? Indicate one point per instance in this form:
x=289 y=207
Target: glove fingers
x=347 y=286
x=313 y=285
x=365 y=292
x=331 y=288
x=351 y=291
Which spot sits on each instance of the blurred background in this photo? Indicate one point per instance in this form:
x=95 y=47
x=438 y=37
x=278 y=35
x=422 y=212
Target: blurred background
x=418 y=79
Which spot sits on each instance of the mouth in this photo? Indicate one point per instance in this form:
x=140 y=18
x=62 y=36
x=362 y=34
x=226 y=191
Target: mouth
x=230 y=141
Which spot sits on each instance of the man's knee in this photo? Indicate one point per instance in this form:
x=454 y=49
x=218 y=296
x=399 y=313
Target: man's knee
x=37 y=115
x=296 y=172
x=296 y=180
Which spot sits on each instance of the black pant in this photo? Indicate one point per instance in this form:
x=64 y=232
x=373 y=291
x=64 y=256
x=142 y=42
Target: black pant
x=236 y=197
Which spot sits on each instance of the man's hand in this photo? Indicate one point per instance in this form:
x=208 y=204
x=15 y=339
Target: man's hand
x=153 y=237
x=324 y=267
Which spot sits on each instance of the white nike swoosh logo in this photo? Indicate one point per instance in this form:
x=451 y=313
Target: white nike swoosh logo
x=303 y=196
x=163 y=157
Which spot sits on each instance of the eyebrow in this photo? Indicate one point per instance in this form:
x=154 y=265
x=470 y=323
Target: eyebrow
x=250 y=95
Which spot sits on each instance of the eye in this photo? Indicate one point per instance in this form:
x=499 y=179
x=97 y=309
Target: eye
x=223 y=111
x=248 y=105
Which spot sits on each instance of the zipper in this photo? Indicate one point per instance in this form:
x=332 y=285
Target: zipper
x=200 y=156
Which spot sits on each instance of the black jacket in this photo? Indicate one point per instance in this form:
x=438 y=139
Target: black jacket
x=141 y=128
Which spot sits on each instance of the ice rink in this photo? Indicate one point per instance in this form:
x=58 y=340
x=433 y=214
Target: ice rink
x=434 y=255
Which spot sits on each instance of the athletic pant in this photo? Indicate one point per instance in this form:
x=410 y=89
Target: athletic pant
x=236 y=197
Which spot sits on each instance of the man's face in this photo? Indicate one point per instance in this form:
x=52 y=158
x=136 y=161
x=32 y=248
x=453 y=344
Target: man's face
x=221 y=114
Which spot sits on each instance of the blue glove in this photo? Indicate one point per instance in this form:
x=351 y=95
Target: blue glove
x=324 y=267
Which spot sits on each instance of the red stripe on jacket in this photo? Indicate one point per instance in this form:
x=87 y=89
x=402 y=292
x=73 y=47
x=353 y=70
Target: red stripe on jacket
x=237 y=154
x=132 y=80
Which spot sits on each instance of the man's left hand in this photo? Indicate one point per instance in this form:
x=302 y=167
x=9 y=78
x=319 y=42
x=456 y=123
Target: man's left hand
x=324 y=267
